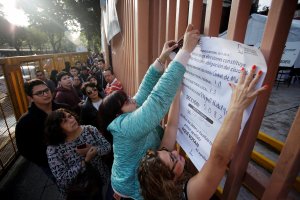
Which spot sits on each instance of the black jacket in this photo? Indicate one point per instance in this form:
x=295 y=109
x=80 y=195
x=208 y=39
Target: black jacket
x=88 y=115
x=100 y=79
x=30 y=134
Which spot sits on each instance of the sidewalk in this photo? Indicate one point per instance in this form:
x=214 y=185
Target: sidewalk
x=26 y=181
x=281 y=110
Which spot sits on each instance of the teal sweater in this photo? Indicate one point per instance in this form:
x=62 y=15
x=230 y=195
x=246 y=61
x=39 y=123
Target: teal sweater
x=136 y=132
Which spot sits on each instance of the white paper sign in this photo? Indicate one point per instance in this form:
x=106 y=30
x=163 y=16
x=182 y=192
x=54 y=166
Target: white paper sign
x=206 y=94
x=290 y=54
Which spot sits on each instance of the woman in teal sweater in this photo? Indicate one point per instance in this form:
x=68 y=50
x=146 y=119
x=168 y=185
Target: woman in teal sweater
x=135 y=123
x=162 y=173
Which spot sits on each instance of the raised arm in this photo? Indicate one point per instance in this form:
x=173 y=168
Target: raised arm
x=191 y=38
x=159 y=101
x=169 y=138
x=150 y=80
x=205 y=183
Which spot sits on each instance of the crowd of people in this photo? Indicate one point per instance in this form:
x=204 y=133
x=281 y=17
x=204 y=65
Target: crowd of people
x=96 y=142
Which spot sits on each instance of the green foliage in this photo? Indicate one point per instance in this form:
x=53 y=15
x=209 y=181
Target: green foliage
x=54 y=17
x=18 y=37
x=67 y=45
x=50 y=17
x=13 y=36
x=4 y=30
x=37 y=40
x=88 y=14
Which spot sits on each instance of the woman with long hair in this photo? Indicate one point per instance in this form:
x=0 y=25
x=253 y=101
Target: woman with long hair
x=89 y=109
x=135 y=122
x=71 y=147
x=161 y=173
x=93 y=79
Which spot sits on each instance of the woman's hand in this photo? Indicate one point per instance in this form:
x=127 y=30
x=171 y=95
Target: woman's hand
x=90 y=154
x=169 y=46
x=191 y=38
x=83 y=151
x=244 y=92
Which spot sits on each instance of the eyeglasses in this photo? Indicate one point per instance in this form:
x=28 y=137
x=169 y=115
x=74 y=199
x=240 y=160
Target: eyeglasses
x=91 y=91
x=42 y=92
x=174 y=159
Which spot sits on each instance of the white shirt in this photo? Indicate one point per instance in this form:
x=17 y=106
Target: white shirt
x=97 y=104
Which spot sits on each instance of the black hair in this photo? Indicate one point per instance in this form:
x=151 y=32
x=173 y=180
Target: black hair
x=61 y=74
x=75 y=68
x=28 y=85
x=84 y=68
x=37 y=71
x=110 y=108
x=90 y=77
x=87 y=84
x=109 y=69
x=54 y=134
x=67 y=66
x=53 y=74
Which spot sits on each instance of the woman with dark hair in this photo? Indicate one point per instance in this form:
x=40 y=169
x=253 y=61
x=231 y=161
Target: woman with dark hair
x=93 y=79
x=89 y=109
x=77 y=84
x=135 y=122
x=71 y=147
x=161 y=173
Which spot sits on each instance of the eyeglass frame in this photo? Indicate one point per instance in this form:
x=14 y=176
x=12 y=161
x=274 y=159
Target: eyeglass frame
x=41 y=92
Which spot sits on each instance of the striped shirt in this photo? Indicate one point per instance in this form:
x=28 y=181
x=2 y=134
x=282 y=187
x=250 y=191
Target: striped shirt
x=114 y=86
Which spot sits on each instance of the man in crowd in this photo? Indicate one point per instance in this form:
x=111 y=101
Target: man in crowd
x=84 y=73
x=99 y=74
x=30 y=127
x=78 y=64
x=41 y=75
x=66 y=93
x=112 y=82
x=74 y=71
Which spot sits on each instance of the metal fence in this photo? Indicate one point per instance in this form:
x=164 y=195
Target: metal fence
x=13 y=101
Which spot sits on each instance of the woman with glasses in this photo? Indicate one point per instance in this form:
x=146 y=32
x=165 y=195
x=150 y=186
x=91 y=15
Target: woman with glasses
x=91 y=105
x=72 y=146
x=135 y=122
x=93 y=79
x=89 y=114
x=30 y=127
x=161 y=173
